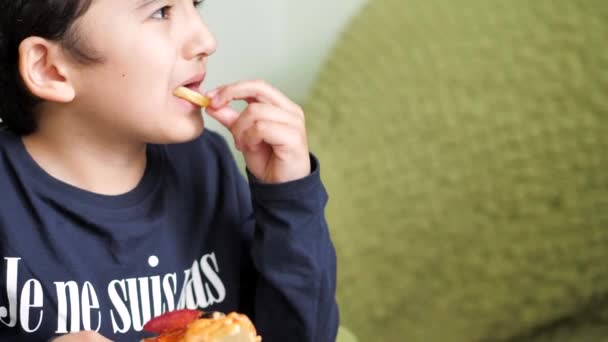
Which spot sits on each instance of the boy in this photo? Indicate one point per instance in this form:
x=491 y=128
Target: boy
x=115 y=207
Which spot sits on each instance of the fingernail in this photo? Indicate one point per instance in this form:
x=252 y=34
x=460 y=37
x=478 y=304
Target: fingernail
x=216 y=101
x=211 y=93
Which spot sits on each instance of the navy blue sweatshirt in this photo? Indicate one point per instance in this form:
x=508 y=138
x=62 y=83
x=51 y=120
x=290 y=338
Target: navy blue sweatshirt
x=192 y=234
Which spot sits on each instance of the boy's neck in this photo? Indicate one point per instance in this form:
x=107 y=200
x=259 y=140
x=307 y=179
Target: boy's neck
x=88 y=161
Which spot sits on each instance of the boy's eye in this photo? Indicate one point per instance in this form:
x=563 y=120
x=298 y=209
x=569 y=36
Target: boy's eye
x=162 y=13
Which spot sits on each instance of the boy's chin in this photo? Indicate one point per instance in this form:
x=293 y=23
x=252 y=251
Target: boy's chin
x=180 y=132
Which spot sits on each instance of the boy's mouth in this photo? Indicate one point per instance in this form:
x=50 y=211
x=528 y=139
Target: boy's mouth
x=194 y=86
x=194 y=82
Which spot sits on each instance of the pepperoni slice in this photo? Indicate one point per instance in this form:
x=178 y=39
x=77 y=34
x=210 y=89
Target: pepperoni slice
x=171 y=321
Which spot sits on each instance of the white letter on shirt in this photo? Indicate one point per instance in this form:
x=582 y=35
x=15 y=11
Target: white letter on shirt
x=62 y=307
x=89 y=301
x=26 y=304
x=199 y=286
x=12 y=265
x=170 y=291
x=208 y=263
x=120 y=306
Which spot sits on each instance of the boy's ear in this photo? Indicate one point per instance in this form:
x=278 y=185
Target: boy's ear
x=44 y=69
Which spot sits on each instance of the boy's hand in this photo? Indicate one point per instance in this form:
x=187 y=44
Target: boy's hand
x=270 y=131
x=83 y=336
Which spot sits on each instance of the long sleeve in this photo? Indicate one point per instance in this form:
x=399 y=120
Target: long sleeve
x=293 y=281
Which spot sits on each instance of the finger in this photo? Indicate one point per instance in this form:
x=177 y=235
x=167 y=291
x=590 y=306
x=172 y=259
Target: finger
x=261 y=112
x=276 y=134
x=226 y=116
x=210 y=94
x=260 y=91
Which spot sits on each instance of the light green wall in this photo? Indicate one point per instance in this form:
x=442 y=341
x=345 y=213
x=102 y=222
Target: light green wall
x=283 y=42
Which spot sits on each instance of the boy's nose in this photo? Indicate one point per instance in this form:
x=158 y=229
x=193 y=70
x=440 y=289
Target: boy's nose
x=200 y=41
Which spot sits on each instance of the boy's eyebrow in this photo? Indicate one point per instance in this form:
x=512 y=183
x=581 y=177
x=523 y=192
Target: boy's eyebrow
x=142 y=3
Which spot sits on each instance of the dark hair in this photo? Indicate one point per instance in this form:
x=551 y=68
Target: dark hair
x=20 y=19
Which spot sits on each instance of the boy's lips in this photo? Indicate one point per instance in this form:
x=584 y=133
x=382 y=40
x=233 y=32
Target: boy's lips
x=194 y=82
x=194 y=86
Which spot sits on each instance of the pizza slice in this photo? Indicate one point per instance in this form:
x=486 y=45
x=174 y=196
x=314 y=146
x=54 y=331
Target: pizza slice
x=197 y=326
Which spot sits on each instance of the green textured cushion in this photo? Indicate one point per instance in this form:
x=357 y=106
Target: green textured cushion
x=464 y=145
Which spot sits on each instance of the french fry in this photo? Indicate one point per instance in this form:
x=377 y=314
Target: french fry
x=192 y=96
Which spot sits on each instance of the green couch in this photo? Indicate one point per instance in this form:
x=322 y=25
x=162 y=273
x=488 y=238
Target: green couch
x=464 y=145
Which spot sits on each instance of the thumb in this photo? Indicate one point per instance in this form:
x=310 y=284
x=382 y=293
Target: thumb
x=225 y=115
